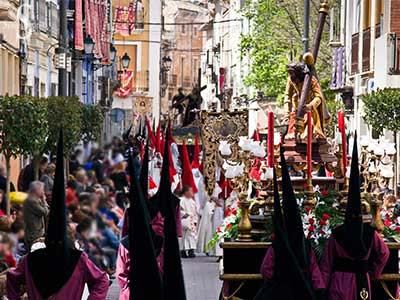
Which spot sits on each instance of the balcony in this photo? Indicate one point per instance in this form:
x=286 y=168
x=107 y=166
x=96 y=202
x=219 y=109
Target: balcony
x=141 y=82
x=8 y=10
x=366 y=53
x=354 y=53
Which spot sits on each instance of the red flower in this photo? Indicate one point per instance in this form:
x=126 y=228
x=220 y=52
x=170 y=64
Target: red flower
x=311 y=221
x=228 y=227
x=398 y=229
x=219 y=230
x=311 y=228
x=325 y=216
x=387 y=222
x=307 y=209
x=322 y=222
x=322 y=232
x=324 y=193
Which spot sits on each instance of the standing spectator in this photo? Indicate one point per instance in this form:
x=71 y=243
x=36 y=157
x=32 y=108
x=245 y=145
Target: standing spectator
x=27 y=175
x=74 y=164
x=189 y=222
x=118 y=176
x=3 y=203
x=98 y=166
x=3 y=179
x=35 y=213
x=48 y=180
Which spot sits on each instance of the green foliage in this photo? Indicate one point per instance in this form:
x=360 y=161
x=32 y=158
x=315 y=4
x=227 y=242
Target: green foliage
x=382 y=109
x=275 y=38
x=92 y=122
x=65 y=113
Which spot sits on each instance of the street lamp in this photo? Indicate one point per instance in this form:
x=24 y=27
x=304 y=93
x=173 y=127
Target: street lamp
x=113 y=53
x=88 y=48
x=88 y=45
x=125 y=60
x=166 y=63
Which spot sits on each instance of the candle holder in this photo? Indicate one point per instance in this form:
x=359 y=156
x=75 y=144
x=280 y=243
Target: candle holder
x=237 y=167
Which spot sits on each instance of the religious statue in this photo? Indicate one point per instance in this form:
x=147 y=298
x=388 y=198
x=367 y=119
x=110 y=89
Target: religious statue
x=315 y=102
x=179 y=106
x=193 y=106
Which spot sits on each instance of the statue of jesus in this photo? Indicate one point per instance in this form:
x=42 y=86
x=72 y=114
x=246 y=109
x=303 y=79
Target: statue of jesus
x=315 y=101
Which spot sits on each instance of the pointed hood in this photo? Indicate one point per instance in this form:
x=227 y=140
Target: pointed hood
x=174 y=287
x=256 y=135
x=354 y=236
x=187 y=174
x=292 y=216
x=57 y=224
x=158 y=143
x=287 y=271
x=144 y=277
x=126 y=134
x=150 y=134
x=144 y=172
x=53 y=266
x=196 y=153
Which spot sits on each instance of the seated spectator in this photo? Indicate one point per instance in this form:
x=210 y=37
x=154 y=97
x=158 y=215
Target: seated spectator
x=17 y=236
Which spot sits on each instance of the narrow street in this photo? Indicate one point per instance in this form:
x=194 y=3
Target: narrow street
x=201 y=279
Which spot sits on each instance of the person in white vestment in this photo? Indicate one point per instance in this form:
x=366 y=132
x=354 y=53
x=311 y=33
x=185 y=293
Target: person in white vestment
x=189 y=222
x=205 y=232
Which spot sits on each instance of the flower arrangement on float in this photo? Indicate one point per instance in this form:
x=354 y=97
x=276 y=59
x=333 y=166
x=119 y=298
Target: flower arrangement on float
x=318 y=223
x=228 y=229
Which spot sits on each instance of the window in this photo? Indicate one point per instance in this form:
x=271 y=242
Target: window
x=335 y=32
x=366 y=14
x=48 y=14
x=356 y=24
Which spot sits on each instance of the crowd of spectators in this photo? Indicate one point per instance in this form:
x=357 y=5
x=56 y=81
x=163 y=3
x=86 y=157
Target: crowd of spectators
x=96 y=196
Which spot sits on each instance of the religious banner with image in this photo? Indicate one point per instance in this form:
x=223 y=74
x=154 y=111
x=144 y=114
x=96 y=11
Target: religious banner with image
x=142 y=105
x=126 y=81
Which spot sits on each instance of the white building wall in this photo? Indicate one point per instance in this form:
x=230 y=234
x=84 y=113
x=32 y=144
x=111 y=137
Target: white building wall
x=154 y=55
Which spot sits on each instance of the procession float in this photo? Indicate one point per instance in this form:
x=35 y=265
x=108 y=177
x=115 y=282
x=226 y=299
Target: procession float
x=242 y=168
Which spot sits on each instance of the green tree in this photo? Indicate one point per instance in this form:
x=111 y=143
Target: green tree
x=382 y=110
x=23 y=129
x=34 y=129
x=275 y=38
x=65 y=113
x=92 y=122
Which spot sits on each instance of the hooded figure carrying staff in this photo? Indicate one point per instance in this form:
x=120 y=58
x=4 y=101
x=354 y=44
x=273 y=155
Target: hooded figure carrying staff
x=355 y=253
x=290 y=268
x=58 y=271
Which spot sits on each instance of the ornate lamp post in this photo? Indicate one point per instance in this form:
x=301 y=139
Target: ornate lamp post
x=88 y=47
x=125 y=61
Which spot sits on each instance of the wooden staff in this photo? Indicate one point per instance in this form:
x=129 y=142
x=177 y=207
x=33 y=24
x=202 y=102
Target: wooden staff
x=323 y=12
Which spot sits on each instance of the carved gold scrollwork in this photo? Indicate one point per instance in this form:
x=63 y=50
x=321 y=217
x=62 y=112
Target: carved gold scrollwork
x=227 y=126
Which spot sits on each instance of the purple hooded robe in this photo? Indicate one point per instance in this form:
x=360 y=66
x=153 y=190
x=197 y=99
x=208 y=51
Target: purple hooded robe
x=342 y=285
x=85 y=273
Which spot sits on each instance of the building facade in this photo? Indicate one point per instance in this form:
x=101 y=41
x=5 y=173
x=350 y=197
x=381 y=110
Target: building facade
x=10 y=60
x=183 y=44
x=137 y=33
x=365 y=39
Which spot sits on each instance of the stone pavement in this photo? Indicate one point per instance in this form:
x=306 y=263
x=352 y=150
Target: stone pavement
x=201 y=279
